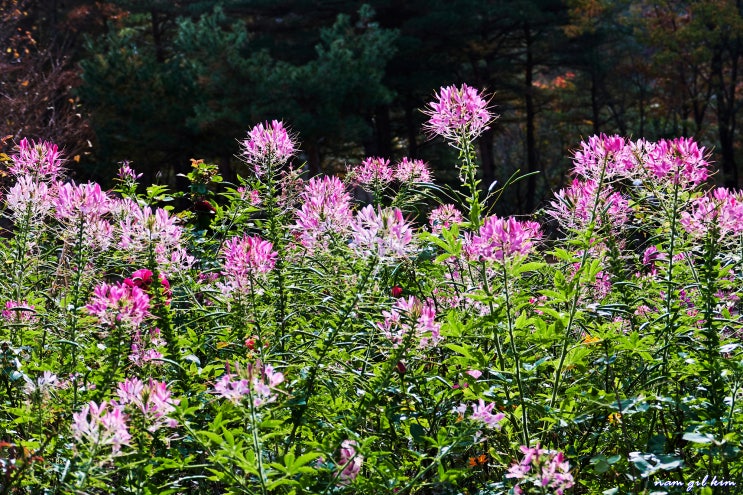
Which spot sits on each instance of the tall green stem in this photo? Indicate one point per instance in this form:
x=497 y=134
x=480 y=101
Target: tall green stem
x=517 y=360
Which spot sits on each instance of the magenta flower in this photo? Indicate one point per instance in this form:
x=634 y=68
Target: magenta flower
x=268 y=144
x=719 y=211
x=144 y=347
x=119 y=303
x=458 y=112
x=257 y=382
x=29 y=197
x=232 y=389
x=412 y=171
x=101 y=425
x=610 y=156
x=244 y=258
x=19 y=312
x=141 y=229
x=75 y=201
x=499 y=239
x=680 y=161
x=41 y=160
x=42 y=386
x=409 y=316
x=350 y=462
x=444 y=217
x=384 y=233
x=373 y=173
x=543 y=469
x=142 y=278
x=325 y=211
x=574 y=206
x=127 y=174
x=152 y=400
x=484 y=413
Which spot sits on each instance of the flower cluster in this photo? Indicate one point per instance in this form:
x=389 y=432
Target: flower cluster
x=501 y=238
x=151 y=399
x=720 y=211
x=127 y=174
x=256 y=382
x=18 y=312
x=268 y=145
x=382 y=233
x=484 y=413
x=583 y=202
x=412 y=171
x=143 y=231
x=458 y=112
x=325 y=210
x=101 y=425
x=42 y=386
x=244 y=258
x=409 y=316
x=145 y=346
x=373 y=172
x=680 y=161
x=40 y=160
x=119 y=304
x=29 y=199
x=543 y=469
x=606 y=157
x=350 y=462
x=443 y=217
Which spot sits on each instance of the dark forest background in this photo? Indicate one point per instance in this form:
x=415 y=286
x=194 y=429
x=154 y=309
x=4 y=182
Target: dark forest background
x=158 y=82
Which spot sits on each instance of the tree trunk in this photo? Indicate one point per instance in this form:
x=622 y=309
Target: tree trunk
x=313 y=158
x=725 y=109
x=531 y=146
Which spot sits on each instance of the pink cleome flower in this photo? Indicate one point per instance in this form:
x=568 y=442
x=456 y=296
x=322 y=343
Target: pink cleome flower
x=581 y=202
x=326 y=210
x=144 y=347
x=126 y=173
x=458 y=112
x=499 y=239
x=484 y=413
x=151 y=399
x=41 y=160
x=383 y=233
x=607 y=156
x=18 y=312
x=412 y=171
x=444 y=217
x=409 y=316
x=350 y=462
x=101 y=425
x=119 y=304
x=74 y=201
x=257 y=381
x=543 y=469
x=30 y=197
x=267 y=144
x=244 y=258
x=373 y=172
x=719 y=211
x=679 y=161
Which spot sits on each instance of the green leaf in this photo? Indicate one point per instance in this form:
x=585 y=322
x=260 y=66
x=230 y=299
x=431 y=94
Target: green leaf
x=702 y=438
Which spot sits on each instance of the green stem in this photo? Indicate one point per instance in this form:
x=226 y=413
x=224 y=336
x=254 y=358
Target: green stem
x=517 y=360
